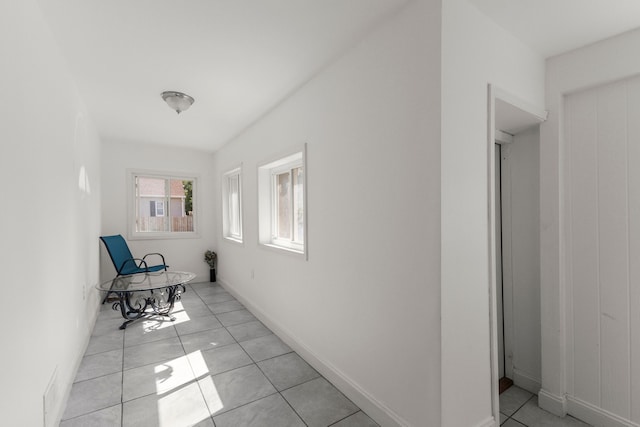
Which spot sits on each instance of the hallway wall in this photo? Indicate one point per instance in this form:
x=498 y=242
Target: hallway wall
x=603 y=244
x=522 y=266
x=475 y=53
x=589 y=239
x=181 y=254
x=365 y=308
x=49 y=221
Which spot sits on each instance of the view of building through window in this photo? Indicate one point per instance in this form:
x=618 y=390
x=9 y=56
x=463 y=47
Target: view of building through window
x=289 y=207
x=234 y=206
x=163 y=204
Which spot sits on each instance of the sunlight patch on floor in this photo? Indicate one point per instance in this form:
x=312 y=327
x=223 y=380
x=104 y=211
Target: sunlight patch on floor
x=172 y=375
x=180 y=401
x=198 y=364
x=180 y=314
x=155 y=323
x=214 y=402
x=182 y=407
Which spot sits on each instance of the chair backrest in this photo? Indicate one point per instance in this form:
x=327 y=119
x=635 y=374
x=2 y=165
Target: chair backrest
x=118 y=250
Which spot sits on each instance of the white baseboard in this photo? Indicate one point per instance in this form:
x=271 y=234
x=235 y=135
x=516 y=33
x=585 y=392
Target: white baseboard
x=550 y=402
x=68 y=382
x=377 y=410
x=596 y=416
x=526 y=381
x=489 y=422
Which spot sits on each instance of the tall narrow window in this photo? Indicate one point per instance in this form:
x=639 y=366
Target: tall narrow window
x=162 y=205
x=282 y=206
x=232 y=205
x=281 y=203
x=288 y=209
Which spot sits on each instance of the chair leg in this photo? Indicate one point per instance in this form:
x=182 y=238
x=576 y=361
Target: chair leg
x=105 y=297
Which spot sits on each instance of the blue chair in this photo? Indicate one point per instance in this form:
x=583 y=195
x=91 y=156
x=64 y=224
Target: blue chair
x=124 y=262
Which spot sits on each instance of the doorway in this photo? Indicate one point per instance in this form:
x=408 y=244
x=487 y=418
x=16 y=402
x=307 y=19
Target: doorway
x=505 y=379
x=515 y=230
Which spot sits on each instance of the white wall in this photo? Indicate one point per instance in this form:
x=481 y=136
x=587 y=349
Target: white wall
x=181 y=254
x=602 y=243
x=49 y=220
x=600 y=187
x=566 y=74
x=521 y=209
x=365 y=308
x=475 y=52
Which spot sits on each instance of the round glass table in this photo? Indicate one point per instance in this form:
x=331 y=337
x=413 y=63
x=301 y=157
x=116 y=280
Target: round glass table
x=146 y=294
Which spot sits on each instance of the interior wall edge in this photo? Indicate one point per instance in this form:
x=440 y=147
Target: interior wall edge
x=526 y=381
x=556 y=404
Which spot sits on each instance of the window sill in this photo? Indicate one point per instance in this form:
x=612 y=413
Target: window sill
x=233 y=240
x=164 y=236
x=283 y=249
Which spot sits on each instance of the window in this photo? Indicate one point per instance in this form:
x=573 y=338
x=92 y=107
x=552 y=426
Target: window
x=282 y=203
x=232 y=205
x=156 y=207
x=162 y=205
x=288 y=209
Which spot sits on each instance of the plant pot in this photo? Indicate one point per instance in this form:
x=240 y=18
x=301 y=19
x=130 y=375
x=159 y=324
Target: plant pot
x=212 y=275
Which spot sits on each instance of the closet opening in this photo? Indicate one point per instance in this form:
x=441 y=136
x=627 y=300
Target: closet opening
x=514 y=163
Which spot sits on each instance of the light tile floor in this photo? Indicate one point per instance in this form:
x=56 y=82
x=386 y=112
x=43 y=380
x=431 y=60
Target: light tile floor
x=519 y=408
x=215 y=365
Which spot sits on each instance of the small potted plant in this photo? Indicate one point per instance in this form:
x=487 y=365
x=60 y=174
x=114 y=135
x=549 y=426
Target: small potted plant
x=210 y=258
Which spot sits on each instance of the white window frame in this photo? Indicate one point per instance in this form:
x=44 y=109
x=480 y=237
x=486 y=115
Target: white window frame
x=227 y=206
x=132 y=205
x=267 y=205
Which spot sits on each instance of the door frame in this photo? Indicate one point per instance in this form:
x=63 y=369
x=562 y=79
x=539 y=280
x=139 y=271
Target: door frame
x=537 y=116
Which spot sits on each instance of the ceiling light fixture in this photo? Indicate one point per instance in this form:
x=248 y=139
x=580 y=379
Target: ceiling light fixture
x=178 y=101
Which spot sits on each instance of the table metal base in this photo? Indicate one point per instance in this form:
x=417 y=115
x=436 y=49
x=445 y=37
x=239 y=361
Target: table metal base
x=160 y=302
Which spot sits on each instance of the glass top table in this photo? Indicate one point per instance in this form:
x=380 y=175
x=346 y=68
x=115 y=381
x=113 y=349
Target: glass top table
x=146 y=294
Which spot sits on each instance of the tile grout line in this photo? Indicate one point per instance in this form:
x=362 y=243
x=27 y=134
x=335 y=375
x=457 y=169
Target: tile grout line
x=235 y=341
x=278 y=392
x=516 y=411
x=229 y=370
x=288 y=388
x=189 y=361
x=261 y=371
x=350 y=415
x=89 y=413
x=122 y=383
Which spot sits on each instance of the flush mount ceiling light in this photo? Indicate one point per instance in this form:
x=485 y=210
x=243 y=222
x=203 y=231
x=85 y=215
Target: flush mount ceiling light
x=178 y=101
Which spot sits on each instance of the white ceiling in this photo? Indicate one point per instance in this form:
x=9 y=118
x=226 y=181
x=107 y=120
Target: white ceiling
x=236 y=58
x=551 y=27
x=239 y=59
